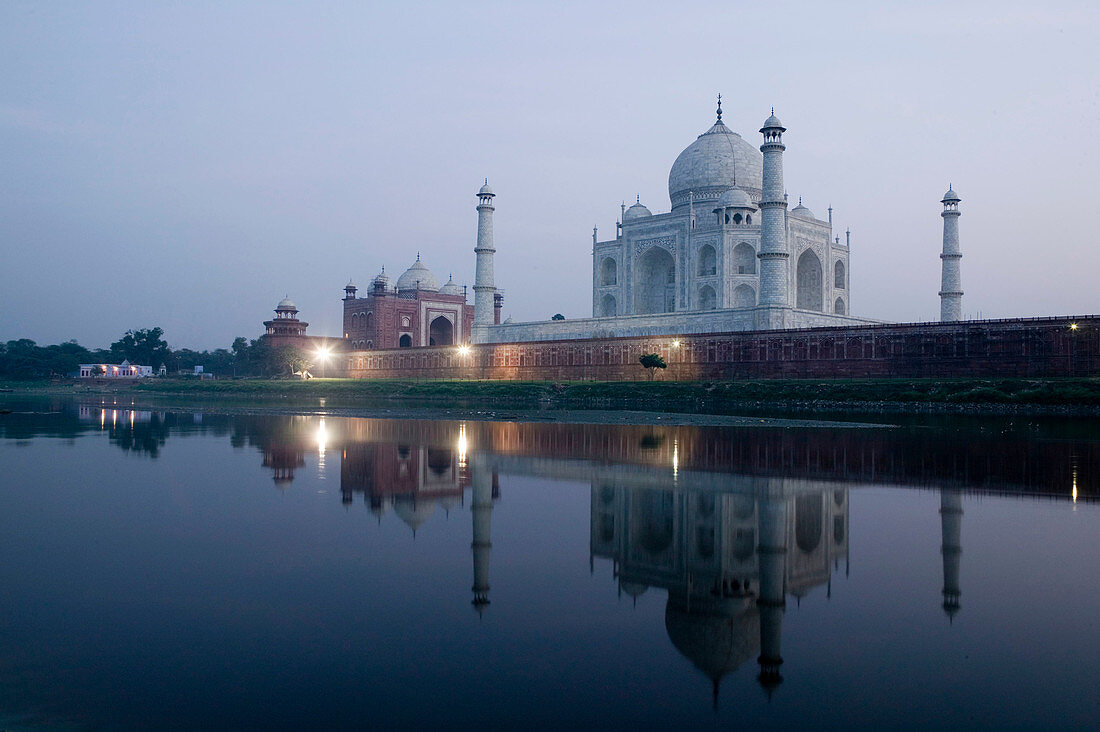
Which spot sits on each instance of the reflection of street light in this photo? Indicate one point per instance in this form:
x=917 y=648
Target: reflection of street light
x=322 y=356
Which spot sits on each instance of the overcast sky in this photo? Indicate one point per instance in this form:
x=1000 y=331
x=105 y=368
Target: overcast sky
x=186 y=164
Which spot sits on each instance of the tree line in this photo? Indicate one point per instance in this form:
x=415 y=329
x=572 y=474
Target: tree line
x=25 y=359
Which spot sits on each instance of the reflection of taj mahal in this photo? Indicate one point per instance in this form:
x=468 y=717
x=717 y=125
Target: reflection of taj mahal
x=727 y=560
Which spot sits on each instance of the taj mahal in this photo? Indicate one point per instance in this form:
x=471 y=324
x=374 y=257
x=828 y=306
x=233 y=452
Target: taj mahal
x=728 y=256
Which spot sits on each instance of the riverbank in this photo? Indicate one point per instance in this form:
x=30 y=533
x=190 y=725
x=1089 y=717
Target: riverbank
x=948 y=396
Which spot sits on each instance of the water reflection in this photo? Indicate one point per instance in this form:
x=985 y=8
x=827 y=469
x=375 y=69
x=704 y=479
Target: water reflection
x=727 y=559
x=719 y=533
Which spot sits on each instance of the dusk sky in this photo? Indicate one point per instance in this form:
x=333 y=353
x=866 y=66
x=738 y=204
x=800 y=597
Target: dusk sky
x=186 y=165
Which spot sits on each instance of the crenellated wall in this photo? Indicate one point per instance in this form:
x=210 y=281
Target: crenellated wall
x=985 y=348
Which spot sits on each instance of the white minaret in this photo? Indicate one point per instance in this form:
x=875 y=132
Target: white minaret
x=773 y=255
x=484 y=289
x=951 y=512
x=951 y=294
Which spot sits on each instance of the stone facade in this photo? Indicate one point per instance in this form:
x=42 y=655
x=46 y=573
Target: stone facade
x=1039 y=347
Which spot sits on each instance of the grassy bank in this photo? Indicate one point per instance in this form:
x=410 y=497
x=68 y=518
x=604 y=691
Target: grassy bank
x=1069 y=392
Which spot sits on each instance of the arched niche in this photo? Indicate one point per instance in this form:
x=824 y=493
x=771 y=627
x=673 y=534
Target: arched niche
x=808 y=282
x=708 y=261
x=655 y=282
x=744 y=259
x=608 y=272
x=707 y=299
x=744 y=296
x=608 y=307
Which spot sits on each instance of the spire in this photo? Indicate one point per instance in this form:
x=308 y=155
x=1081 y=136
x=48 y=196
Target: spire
x=719 y=108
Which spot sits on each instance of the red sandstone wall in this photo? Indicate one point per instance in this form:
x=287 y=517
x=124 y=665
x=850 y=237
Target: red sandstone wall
x=1017 y=347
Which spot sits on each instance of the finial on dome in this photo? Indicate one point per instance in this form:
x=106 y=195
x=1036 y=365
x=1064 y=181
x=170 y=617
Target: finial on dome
x=637 y=198
x=486 y=181
x=773 y=110
x=719 y=106
x=800 y=200
x=418 y=256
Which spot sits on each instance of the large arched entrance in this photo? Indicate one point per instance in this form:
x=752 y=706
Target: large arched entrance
x=441 y=332
x=655 y=282
x=808 y=282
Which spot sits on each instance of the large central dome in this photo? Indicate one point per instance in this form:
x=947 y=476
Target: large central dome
x=718 y=160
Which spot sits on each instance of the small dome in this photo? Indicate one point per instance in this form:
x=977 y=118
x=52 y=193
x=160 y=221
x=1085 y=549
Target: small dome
x=450 y=288
x=485 y=189
x=350 y=286
x=508 y=320
x=735 y=198
x=286 y=304
x=950 y=195
x=773 y=123
x=417 y=277
x=637 y=211
x=802 y=212
x=634 y=589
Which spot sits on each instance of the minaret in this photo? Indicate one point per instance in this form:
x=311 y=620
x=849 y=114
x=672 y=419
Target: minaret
x=774 y=257
x=482 y=510
x=484 y=289
x=951 y=512
x=772 y=557
x=951 y=284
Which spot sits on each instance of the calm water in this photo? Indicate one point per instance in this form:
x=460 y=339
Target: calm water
x=216 y=570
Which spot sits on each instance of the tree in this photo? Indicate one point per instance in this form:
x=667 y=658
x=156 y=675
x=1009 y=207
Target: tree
x=290 y=360
x=143 y=346
x=652 y=361
x=558 y=316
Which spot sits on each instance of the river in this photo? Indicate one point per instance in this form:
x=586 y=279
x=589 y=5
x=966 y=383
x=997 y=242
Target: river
x=165 y=567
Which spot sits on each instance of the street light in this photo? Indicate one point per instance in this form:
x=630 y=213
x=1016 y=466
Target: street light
x=322 y=356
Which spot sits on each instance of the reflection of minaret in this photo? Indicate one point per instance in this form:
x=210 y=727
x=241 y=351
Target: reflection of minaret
x=951 y=527
x=771 y=601
x=482 y=510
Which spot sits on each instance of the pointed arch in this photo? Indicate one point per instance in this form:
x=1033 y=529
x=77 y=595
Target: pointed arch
x=744 y=259
x=707 y=261
x=808 y=282
x=744 y=296
x=839 y=308
x=608 y=272
x=655 y=282
x=707 y=298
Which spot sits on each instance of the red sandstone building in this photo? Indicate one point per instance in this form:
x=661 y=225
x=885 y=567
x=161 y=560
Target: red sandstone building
x=414 y=312
x=285 y=329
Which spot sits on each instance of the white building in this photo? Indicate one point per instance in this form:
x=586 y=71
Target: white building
x=124 y=370
x=728 y=256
